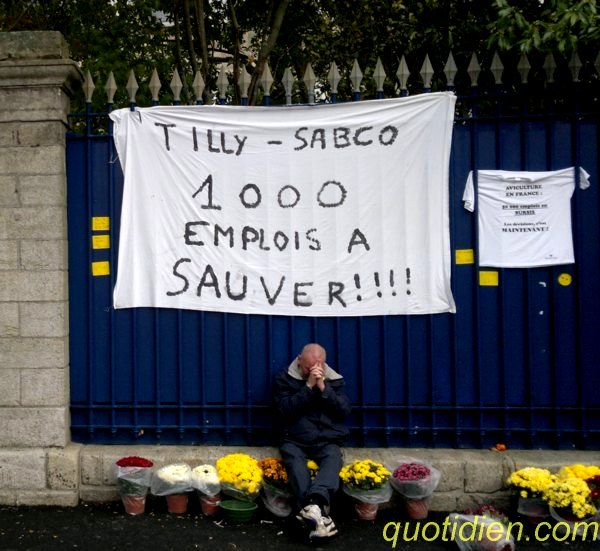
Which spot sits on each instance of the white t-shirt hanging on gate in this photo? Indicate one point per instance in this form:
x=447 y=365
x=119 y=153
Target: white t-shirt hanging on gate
x=524 y=218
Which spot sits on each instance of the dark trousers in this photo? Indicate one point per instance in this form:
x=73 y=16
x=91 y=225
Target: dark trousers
x=327 y=480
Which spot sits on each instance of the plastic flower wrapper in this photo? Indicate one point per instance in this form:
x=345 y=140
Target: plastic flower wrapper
x=275 y=487
x=479 y=533
x=366 y=481
x=240 y=476
x=414 y=479
x=206 y=480
x=172 y=479
x=133 y=475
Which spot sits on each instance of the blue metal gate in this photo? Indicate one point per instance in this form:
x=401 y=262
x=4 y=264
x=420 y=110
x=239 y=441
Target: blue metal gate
x=518 y=362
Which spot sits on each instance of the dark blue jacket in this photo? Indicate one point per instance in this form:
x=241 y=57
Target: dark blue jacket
x=308 y=416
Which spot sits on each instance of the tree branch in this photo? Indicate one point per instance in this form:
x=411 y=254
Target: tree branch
x=267 y=45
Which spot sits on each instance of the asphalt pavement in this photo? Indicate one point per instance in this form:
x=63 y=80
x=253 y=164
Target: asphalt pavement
x=106 y=527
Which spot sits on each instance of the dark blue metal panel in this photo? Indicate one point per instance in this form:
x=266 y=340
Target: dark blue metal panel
x=517 y=363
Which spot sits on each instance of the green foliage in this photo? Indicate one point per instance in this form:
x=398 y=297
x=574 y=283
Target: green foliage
x=199 y=35
x=547 y=26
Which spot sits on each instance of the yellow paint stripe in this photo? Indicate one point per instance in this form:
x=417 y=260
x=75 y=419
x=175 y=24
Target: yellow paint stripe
x=101 y=268
x=465 y=256
x=101 y=241
x=488 y=279
x=100 y=223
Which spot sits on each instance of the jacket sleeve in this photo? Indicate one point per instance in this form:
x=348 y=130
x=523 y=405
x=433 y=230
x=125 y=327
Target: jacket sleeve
x=291 y=399
x=337 y=402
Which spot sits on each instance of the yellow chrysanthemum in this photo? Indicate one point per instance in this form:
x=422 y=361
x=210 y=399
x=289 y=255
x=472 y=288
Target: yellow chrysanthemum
x=364 y=475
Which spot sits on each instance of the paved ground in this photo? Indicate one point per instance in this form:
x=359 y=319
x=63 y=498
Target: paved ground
x=106 y=527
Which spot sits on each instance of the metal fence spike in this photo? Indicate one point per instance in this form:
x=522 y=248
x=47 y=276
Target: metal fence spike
x=288 y=85
x=356 y=76
x=497 y=68
x=244 y=81
x=402 y=74
x=450 y=70
x=132 y=86
x=427 y=72
x=266 y=80
x=88 y=86
x=549 y=67
x=310 y=80
x=379 y=75
x=110 y=87
x=575 y=67
x=333 y=77
x=154 y=85
x=176 y=85
x=474 y=70
x=524 y=67
x=198 y=86
x=222 y=81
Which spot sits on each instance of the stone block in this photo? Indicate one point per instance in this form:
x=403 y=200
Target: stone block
x=33 y=427
x=32 y=160
x=22 y=469
x=44 y=387
x=44 y=255
x=33 y=352
x=43 y=319
x=48 y=498
x=63 y=467
x=9 y=193
x=445 y=501
x=9 y=319
x=33 y=45
x=486 y=473
x=8 y=497
x=43 y=223
x=33 y=286
x=552 y=460
x=32 y=134
x=91 y=465
x=98 y=494
x=10 y=387
x=43 y=190
x=453 y=474
x=9 y=254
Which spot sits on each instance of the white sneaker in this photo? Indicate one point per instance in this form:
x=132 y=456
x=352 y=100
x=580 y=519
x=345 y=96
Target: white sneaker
x=324 y=529
x=311 y=515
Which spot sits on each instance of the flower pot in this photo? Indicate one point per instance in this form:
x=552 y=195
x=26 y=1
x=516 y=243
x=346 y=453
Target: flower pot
x=569 y=525
x=134 y=505
x=417 y=509
x=237 y=511
x=365 y=511
x=535 y=510
x=210 y=505
x=177 y=503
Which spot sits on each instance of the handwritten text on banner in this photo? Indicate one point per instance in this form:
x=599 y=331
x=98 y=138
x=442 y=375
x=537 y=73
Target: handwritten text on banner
x=332 y=210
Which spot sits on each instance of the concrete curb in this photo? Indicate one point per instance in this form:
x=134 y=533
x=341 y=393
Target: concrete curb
x=65 y=476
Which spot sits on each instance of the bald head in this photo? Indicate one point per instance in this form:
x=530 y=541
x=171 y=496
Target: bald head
x=311 y=354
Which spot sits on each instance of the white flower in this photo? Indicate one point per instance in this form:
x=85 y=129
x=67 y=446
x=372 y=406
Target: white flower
x=174 y=474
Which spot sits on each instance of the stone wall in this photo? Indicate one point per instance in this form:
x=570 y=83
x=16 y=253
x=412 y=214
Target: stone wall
x=36 y=76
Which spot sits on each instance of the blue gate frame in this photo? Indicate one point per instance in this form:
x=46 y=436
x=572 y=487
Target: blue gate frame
x=518 y=362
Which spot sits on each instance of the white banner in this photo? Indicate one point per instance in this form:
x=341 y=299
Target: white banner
x=329 y=210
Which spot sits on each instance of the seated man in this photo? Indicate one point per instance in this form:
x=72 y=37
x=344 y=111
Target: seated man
x=312 y=406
